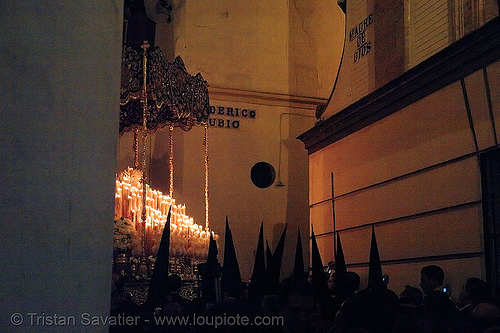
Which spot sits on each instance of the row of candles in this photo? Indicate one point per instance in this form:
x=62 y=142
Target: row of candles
x=185 y=234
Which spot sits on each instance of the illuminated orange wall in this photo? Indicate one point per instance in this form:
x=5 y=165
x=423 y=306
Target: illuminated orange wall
x=414 y=176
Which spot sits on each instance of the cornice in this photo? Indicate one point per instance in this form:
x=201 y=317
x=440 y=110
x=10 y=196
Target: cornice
x=265 y=98
x=472 y=52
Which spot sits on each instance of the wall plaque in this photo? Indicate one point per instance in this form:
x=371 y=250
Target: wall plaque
x=229 y=117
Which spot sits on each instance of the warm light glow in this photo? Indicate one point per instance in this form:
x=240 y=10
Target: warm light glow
x=186 y=237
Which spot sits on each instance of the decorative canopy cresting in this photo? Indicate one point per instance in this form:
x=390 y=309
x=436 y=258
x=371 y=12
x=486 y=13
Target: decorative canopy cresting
x=174 y=97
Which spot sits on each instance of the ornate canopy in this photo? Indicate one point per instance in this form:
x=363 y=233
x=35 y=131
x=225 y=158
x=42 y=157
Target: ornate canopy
x=174 y=97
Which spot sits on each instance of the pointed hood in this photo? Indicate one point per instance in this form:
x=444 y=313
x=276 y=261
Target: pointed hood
x=318 y=275
x=209 y=272
x=274 y=268
x=340 y=266
x=231 y=278
x=269 y=263
x=316 y=262
x=259 y=268
x=341 y=280
x=298 y=266
x=375 y=267
x=158 y=286
x=269 y=255
x=213 y=252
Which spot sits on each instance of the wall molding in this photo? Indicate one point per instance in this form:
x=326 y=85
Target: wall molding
x=415 y=260
x=469 y=54
x=398 y=219
x=397 y=178
x=265 y=98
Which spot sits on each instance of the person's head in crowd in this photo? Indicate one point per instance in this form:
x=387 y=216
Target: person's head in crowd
x=331 y=282
x=297 y=306
x=353 y=282
x=373 y=311
x=431 y=278
x=476 y=298
x=474 y=292
x=411 y=296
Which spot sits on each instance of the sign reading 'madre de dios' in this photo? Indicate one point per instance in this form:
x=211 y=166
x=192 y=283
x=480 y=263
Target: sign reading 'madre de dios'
x=358 y=33
x=229 y=117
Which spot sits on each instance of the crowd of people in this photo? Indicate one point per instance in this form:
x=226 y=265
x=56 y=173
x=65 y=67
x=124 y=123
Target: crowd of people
x=295 y=307
x=315 y=301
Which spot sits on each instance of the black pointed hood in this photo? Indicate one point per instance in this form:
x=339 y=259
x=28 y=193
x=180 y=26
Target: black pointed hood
x=213 y=252
x=158 y=286
x=275 y=267
x=210 y=271
x=298 y=265
x=341 y=288
x=340 y=265
x=317 y=264
x=269 y=255
x=375 y=268
x=318 y=275
x=231 y=278
x=258 y=279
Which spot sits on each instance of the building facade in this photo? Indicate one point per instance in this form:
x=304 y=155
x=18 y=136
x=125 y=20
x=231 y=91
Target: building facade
x=268 y=66
x=408 y=141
